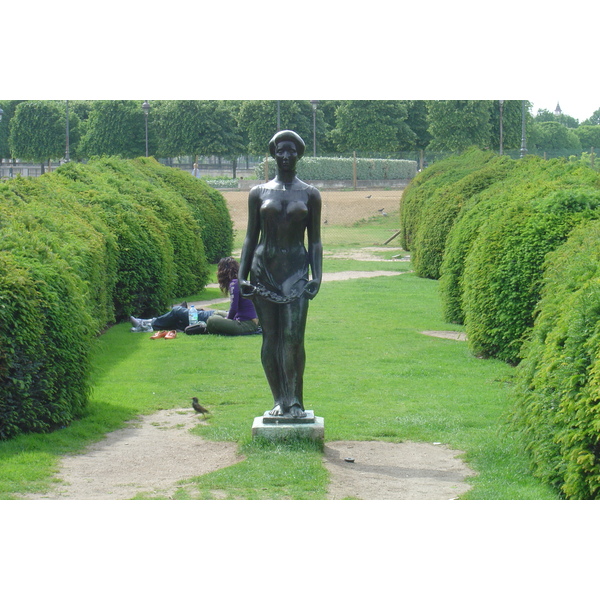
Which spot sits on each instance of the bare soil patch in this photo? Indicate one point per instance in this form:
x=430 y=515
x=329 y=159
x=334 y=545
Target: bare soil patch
x=449 y=335
x=156 y=452
x=389 y=471
x=150 y=455
x=339 y=207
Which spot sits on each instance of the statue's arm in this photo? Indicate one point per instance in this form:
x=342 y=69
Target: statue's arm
x=252 y=233
x=315 y=246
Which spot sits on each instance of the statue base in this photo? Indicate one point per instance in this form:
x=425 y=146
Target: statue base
x=288 y=427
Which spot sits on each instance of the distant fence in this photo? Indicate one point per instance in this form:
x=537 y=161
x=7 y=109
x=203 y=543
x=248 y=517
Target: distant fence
x=245 y=166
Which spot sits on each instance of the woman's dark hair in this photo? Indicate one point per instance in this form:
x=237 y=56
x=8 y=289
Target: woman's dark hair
x=227 y=271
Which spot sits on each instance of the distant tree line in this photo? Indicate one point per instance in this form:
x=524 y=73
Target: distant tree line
x=35 y=131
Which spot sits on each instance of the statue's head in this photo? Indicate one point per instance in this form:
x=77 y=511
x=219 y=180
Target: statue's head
x=287 y=136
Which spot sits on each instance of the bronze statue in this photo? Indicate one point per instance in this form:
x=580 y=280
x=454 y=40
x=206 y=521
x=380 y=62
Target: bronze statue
x=280 y=213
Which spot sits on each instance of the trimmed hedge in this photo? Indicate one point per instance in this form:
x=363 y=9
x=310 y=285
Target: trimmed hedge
x=81 y=248
x=441 y=211
x=557 y=392
x=207 y=205
x=327 y=169
x=503 y=271
x=521 y=270
x=431 y=184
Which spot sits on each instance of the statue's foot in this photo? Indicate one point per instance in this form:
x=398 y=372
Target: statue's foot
x=277 y=411
x=295 y=411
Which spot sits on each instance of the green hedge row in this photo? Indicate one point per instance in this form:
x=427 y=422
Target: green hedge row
x=81 y=248
x=327 y=169
x=557 y=388
x=520 y=267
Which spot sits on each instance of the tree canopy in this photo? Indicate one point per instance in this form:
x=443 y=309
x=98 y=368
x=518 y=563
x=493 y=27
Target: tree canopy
x=37 y=131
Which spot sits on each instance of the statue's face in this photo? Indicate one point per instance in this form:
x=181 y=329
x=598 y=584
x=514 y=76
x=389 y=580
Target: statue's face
x=286 y=156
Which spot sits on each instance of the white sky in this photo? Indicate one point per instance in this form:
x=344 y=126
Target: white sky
x=458 y=50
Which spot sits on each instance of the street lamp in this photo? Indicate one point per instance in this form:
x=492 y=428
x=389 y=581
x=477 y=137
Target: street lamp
x=146 y=108
x=314 y=105
x=1 y=113
x=67 y=150
x=523 y=141
x=501 y=129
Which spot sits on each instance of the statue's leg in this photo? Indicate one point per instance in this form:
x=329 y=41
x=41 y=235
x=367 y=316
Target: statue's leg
x=270 y=355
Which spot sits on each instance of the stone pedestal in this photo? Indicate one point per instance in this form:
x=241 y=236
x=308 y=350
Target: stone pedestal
x=287 y=427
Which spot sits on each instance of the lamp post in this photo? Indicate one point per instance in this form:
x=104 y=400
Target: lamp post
x=523 y=141
x=146 y=108
x=1 y=113
x=314 y=105
x=278 y=115
x=501 y=127
x=67 y=153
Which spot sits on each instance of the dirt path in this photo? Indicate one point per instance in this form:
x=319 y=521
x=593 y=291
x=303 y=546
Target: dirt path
x=156 y=452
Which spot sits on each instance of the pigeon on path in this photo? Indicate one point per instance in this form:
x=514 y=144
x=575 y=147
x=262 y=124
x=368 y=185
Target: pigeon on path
x=198 y=407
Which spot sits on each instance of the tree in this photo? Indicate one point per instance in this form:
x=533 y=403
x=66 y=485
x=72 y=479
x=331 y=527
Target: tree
x=197 y=127
x=589 y=136
x=512 y=124
x=258 y=121
x=326 y=109
x=9 y=107
x=455 y=125
x=550 y=135
x=417 y=121
x=115 y=127
x=37 y=132
x=372 y=126
x=544 y=115
x=594 y=119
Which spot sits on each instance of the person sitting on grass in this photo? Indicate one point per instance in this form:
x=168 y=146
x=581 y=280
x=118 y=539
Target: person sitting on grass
x=241 y=318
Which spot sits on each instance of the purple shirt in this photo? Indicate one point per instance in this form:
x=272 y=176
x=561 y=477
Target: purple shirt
x=242 y=308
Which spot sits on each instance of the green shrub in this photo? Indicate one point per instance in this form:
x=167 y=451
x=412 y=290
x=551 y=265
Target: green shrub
x=428 y=185
x=459 y=242
x=46 y=335
x=503 y=271
x=72 y=231
x=80 y=248
x=443 y=207
x=557 y=389
x=207 y=205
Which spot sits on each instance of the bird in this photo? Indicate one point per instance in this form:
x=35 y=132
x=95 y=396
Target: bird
x=382 y=211
x=368 y=196
x=198 y=407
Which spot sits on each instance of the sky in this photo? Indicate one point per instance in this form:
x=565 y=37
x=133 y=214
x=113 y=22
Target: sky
x=458 y=50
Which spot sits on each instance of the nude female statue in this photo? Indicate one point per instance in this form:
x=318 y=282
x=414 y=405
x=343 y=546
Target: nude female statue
x=281 y=213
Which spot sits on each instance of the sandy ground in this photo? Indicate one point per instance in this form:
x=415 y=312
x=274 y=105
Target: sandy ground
x=155 y=453
x=338 y=207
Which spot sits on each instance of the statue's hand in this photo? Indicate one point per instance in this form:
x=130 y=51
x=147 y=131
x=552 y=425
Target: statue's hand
x=311 y=289
x=247 y=289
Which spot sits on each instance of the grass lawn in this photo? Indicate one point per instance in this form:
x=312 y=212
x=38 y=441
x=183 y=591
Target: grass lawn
x=369 y=373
